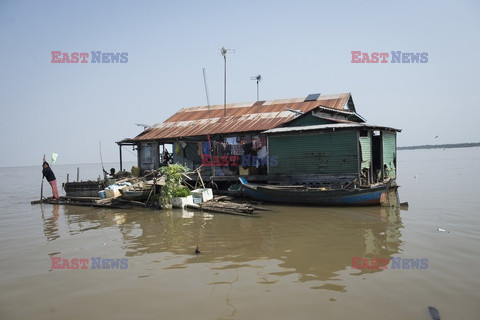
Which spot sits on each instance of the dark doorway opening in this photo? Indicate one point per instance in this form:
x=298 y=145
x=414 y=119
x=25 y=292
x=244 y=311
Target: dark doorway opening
x=377 y=156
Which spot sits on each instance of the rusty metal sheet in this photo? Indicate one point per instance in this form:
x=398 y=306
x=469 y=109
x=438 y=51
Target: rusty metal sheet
x=241 y=117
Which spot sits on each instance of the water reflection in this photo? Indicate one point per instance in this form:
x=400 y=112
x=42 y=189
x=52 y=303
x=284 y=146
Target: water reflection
x=306 y=243
x=83 y=219
x=50 y=224
x=328 y=245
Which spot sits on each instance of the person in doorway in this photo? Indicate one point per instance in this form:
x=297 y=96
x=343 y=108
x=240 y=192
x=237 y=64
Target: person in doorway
x=50 y=176
x=166 y=157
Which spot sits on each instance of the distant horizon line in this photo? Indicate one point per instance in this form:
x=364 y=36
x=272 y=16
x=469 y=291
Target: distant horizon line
x=441 y=146
x=63 y=164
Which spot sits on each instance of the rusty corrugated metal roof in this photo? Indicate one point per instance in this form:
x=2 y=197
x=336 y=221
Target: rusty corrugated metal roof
x=240 y=117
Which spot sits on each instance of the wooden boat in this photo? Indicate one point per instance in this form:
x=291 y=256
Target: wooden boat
x=83 y=188
x=318 y=196
x=135 y=194
x=235 y=189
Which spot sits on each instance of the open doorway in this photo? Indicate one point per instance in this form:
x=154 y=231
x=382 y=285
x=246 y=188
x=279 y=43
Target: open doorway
x=377 y=159
x=166 y=154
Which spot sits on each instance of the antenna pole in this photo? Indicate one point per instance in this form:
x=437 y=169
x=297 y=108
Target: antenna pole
x=225 y=85
x=224 y=52
x=206 y=88
x=257 y=77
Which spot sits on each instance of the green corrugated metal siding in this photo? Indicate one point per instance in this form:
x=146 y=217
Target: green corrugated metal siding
x=318 y=153
x=307 y=120
x=366 y=148
x=389 y=153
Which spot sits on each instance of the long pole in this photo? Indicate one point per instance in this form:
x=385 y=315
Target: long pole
x=101 y=159
x=225 y=86
x=258 y=99
x=41 y=188
x=206 y=88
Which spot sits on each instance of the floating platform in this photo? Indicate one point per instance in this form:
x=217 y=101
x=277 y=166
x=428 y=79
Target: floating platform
x=115 y=203
x=223 y=206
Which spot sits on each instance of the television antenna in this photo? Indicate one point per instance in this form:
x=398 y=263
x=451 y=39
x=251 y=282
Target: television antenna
x=257 y=77
x=145 y=126
x=299 y=112
x=224 y=52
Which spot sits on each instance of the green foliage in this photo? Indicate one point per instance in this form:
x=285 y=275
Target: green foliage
x=173 y=182
x=182 y=191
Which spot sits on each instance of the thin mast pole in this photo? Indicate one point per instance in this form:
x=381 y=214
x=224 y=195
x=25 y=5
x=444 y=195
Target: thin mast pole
x=206 y=87
x=225 y=86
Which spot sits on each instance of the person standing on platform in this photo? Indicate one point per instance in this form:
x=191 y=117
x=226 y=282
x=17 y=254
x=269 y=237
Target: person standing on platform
x=50 y=176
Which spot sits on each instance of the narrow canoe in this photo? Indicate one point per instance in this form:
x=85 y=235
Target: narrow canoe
x=317 y=196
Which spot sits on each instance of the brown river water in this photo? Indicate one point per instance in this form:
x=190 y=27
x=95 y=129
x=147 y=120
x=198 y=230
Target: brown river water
x=288 y=263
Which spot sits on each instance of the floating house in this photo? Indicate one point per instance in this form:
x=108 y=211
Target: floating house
x=316 y=140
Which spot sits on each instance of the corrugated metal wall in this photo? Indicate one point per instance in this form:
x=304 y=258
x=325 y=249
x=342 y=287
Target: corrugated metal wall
x=315 y=153
x=366 y=148
x=389 y=153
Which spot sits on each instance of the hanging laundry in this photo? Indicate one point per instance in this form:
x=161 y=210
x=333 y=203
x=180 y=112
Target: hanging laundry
x=262 y=153
x=237 y=150
x=231 y=140
x=263 y=141
x=256 y=144
x=261 y=157
x=206 y=147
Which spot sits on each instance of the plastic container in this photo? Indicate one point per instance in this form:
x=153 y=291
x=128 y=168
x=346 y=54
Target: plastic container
x=181 y=202
x=202 y=195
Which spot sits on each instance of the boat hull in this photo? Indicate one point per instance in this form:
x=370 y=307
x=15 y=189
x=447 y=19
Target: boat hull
x=140 y=195
x=340 y=197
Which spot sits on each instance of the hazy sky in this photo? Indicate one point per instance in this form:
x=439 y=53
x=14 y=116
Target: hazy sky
x=299 y=47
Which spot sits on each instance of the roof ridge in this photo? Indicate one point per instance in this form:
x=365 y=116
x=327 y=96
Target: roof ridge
x=265 y=102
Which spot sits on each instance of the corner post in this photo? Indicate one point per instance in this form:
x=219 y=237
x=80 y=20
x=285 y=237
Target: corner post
x=121 y=161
